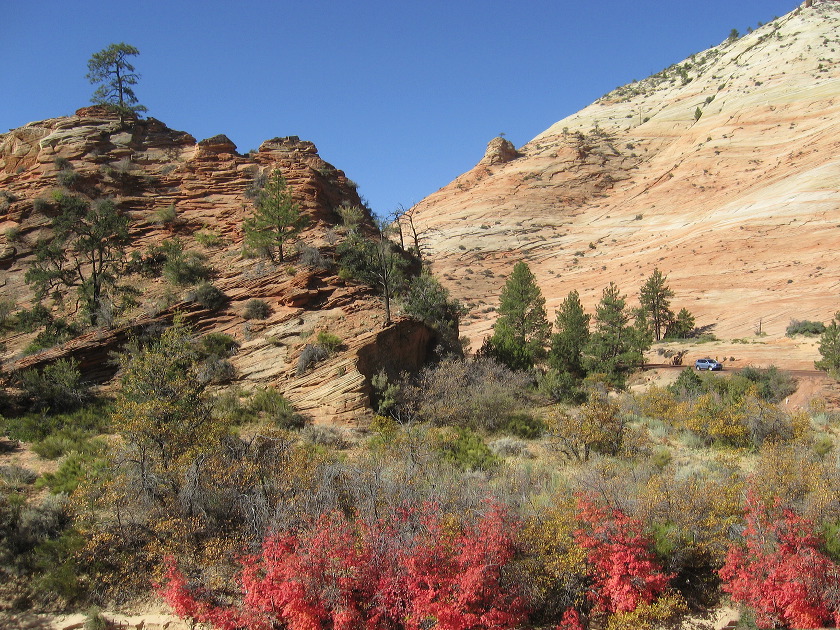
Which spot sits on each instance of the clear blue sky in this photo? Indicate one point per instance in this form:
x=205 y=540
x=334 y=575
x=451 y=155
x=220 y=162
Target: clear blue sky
x=402 y=96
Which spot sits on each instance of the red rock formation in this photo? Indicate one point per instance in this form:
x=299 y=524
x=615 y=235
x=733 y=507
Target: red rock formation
x=145 y=167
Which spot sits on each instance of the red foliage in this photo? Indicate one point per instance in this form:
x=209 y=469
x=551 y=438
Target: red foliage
x=571 y=620
x=781 y=572
x=623 y=570
x=400 y=574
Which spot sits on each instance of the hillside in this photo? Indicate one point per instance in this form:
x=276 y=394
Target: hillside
x=721 y=170
x=151 y=170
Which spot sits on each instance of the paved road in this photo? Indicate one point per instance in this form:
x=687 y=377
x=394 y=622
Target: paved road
x=795 y=373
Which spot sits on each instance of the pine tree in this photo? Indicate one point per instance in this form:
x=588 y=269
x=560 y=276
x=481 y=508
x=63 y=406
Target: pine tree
x=682 y=326
x=521 y=332
x=376 y=261
x=276 y=218
x=87 y=250
x=655 y=297
x=610 y=348
x=567 y=344
x=110 y=68
x=830 y=347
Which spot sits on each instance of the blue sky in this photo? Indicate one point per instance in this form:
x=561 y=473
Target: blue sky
x=402 y=96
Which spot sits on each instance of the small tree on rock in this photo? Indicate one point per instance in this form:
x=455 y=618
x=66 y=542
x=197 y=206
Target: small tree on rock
x=86 y=251
x=377 y=261
x=276 y=219
x=115 y=74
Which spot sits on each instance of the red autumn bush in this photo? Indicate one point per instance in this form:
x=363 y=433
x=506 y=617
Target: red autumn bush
x=623 y=570
x=416 y=568
x=780 y=571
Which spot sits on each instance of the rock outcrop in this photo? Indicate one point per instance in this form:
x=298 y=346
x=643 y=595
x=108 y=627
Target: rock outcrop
x=723 y=171
x=147 y=167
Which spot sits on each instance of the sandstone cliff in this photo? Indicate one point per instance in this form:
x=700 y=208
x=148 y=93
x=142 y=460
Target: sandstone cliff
x=721 y=170
x=146 y=167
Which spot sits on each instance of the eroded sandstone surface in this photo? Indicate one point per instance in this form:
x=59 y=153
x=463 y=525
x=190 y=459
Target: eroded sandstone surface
x=146 y=168
x=722 y=170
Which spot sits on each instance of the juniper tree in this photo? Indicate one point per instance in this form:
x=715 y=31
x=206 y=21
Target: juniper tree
x=521 y=332
x=682 y=326
x=115 y=74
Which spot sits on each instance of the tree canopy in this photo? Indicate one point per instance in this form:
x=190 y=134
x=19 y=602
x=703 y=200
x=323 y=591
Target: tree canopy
x=115 y=74
x=86 y=250
x=611 y=348
x=520 y=335
x=276 y=218
x=572 y=335
x=655 y=298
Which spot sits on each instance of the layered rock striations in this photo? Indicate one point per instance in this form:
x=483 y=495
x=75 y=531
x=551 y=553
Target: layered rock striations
x=147 y=168
x=721 y=170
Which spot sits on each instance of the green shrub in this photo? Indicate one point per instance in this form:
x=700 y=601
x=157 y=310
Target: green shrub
x=823 y=445
x=805 y=327
x=165 y=216
x=217 y=345
x=276 y=408
x=525 y=426
x=479 y=394
x=688 y=385
x=208 y=296
x=30 y=320
x=183 y=267
x=70 y=474
x=329 y=342
x=257 y=309
x=562 y=387
x=56 y=388
x=55 y=332
x=661 y=457
x=228 y=406
x=208 y=238
x=33 y=427
x=41 y=205
x=465 y=449
x=774 y=385
x=68 y=440
x=12 y=234
x=68 y=178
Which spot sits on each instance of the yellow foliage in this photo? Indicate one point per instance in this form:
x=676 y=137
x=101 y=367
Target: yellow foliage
x=597 y=427
x=692 y=515
x=667 y=609
x=809 y=486
x=554 y=563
